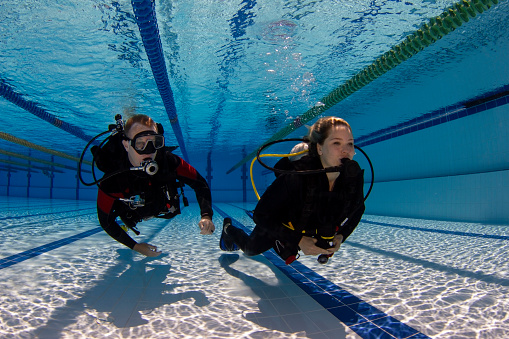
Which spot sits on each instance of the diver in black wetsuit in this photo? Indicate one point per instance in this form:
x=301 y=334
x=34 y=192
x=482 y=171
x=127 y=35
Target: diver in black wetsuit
x=313 y=213
x=135 y=195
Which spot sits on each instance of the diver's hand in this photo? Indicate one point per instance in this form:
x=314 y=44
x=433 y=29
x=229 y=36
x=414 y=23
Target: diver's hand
x=206 y=226
x=147 y=249
x=337 y=241
x=307 y=245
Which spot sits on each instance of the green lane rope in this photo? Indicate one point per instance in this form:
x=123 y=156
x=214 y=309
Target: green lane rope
x=430 y=32
x=28 y=144
x=45 y=162
x=14 y=163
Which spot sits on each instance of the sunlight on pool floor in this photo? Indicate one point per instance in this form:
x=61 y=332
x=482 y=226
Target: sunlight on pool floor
x=443 y=285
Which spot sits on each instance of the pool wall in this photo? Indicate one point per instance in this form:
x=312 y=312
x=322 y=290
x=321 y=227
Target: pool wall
x=457 y=169
x=452 y=166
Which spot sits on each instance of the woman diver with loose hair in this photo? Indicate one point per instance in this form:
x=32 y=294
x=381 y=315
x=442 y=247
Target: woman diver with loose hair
x=313 y=213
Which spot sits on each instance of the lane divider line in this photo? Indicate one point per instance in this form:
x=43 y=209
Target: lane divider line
x=414 y=228
x=364 y=319
x=20 y=257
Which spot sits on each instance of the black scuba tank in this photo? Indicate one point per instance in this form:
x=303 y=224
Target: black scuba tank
x=111 y=155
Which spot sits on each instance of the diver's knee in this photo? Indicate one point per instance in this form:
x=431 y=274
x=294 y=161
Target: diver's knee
x=251 y=252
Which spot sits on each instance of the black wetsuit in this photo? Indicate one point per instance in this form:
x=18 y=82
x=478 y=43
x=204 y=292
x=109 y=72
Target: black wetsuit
x=159 y=192
x=295 y=205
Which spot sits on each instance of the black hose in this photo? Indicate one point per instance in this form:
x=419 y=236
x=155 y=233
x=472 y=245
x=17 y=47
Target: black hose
x=93 y=159
x=323 y=170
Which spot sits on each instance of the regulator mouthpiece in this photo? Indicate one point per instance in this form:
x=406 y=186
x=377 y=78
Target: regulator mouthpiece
x=323 y=258
x=150 y=167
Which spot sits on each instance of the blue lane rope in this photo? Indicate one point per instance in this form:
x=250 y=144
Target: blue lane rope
x=8 y=93
x=145 y=14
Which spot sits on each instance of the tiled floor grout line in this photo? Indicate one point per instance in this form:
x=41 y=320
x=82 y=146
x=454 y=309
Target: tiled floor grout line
x=413 y=228
x=20 y=257
x=333 y=298
x=369 y=323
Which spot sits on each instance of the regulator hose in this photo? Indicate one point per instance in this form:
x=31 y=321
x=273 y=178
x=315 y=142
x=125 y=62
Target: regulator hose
x=302 y=172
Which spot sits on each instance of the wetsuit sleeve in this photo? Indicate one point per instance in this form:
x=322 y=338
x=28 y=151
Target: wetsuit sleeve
x=107 y=208
x=190 y=176
x=357 y=207
x=352 y=223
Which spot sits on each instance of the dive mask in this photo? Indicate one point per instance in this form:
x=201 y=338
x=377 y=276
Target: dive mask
x=147 y=142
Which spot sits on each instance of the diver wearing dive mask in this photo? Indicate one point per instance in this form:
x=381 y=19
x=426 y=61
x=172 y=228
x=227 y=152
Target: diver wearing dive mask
x=147 y=142
x=142 y=179
x=143 y=144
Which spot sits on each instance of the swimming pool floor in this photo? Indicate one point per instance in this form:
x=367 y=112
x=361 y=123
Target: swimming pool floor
x=63 y=277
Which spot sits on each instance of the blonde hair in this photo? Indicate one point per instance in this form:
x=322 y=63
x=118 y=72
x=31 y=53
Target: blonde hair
x=139 y=119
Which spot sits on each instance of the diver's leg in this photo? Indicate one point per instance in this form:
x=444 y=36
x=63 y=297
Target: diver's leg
x=227 y=242
x=258 y=242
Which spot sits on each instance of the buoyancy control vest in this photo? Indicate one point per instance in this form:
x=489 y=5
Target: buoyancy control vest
x=112 y=157
x=344 y=200
x=327 y=211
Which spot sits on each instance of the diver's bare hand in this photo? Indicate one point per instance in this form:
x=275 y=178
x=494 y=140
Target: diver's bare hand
x=308 y=247
x=147 y=249
x=206 y=226
x=338 y=240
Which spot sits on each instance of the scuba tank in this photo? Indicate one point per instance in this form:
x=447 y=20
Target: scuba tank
x=325 y=234
x=110 y=158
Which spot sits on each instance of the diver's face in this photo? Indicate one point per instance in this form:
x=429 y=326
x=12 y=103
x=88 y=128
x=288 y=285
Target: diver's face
x=135 y=158
x=338 y=145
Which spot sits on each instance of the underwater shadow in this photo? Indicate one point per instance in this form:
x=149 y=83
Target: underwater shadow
x=435 y=266
x=130 y=287
x=266 y=317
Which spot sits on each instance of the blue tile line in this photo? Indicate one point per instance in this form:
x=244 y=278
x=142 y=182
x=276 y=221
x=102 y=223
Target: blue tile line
x=364 y=319
x=41 y=214
x=38 y=222
x=20 y=257
x=465 y=234
x=440 y=116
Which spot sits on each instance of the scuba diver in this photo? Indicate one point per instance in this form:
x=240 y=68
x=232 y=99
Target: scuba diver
x=141 y=180
x=313 y=205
